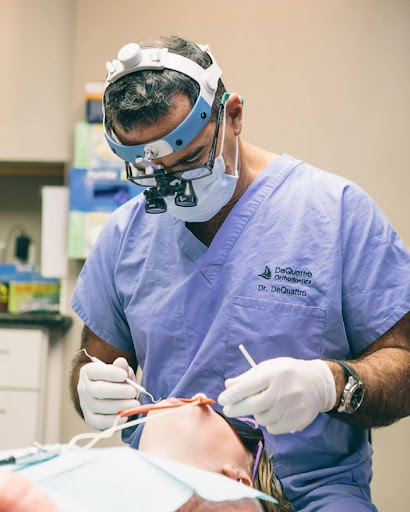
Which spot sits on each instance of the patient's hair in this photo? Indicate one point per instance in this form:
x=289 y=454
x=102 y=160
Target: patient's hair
x=267 y=482
x=265 y=479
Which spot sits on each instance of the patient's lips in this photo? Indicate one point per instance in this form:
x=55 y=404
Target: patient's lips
x=172 y=400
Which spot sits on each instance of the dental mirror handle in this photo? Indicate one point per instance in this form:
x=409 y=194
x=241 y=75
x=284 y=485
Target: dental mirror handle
x=247 y=356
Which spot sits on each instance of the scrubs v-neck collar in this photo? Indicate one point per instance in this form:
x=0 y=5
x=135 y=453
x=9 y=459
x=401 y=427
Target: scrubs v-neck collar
x=209 y=260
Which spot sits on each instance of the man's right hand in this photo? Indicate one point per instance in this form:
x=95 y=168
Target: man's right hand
x=102 y=391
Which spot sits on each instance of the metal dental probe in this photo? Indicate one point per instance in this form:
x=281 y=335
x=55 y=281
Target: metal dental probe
x=135 y=385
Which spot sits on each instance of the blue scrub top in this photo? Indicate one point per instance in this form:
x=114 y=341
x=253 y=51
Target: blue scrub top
x=304 y=266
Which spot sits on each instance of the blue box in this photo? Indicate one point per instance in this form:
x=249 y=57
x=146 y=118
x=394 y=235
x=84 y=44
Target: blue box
x=94 y=195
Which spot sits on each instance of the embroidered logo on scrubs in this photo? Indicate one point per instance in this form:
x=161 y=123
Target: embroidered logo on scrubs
x=285 y=276
x=266 y=274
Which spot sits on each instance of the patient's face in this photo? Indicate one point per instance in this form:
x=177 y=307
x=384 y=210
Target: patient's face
x=197 y=436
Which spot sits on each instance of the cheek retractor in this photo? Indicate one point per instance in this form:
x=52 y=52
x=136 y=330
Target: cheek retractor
x=135 y=385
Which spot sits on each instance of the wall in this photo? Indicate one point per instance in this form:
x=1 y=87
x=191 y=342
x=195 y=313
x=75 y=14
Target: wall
x=323 y=81
x=35 y=96
x=35 y=85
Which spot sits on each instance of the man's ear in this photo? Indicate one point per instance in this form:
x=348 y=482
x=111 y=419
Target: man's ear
x=234 y=109
x=238 y=474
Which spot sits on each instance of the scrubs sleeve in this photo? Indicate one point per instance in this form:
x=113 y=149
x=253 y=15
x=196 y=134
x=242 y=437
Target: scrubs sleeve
x=376 y=271
x=95 y=298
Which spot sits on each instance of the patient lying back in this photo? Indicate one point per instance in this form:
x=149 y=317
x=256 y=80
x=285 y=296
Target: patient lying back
x=201 y=437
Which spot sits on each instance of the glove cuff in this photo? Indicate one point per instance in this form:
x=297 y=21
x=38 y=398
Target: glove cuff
x=327 y=386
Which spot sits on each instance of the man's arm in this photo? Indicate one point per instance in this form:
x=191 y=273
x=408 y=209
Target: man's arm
x=384 y=367
x=96 y=347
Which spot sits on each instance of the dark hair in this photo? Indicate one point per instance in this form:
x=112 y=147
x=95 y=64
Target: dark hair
x=143 y=98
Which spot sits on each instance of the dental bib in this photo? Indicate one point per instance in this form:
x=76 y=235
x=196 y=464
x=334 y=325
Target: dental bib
x=107 y=479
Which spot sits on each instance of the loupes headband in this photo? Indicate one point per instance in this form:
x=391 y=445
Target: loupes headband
x=131 y=58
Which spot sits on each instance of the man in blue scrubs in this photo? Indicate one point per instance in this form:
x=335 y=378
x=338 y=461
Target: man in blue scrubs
x=298 y=265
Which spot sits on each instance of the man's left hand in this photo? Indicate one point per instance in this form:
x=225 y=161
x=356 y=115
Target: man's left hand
x=283 y=394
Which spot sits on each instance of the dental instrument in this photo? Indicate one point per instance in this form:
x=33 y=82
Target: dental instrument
x=135 y=385
x=247 y=356
x=33 y=454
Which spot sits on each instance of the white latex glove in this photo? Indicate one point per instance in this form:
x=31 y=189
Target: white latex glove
x=283 y=394
x=102 y=391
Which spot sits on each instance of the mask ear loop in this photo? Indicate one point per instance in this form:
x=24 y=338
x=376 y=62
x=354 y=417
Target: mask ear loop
x=236 y=155
x=223 y=130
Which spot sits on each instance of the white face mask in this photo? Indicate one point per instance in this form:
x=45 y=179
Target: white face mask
x=213 y=192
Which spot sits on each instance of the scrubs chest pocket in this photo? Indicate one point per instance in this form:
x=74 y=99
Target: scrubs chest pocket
x=270 y=329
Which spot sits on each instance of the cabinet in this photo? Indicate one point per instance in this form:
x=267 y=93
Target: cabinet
x=30 y=387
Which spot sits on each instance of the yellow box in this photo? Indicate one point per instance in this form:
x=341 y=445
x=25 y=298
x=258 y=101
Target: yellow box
x=33 y=296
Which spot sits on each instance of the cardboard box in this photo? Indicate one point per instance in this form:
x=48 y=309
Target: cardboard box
x=91 y=150
x=94 y=195
x=94 y=92
x=4 y=296
x=33 y=296
x=23 y=289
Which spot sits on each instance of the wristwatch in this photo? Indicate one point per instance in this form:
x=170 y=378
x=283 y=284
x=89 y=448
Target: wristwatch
x=353 y=392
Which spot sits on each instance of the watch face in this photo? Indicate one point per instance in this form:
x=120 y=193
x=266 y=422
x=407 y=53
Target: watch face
x=356 y=398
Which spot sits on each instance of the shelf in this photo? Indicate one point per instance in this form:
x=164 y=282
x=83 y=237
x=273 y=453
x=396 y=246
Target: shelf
x=32 y=169
x=42 y=319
